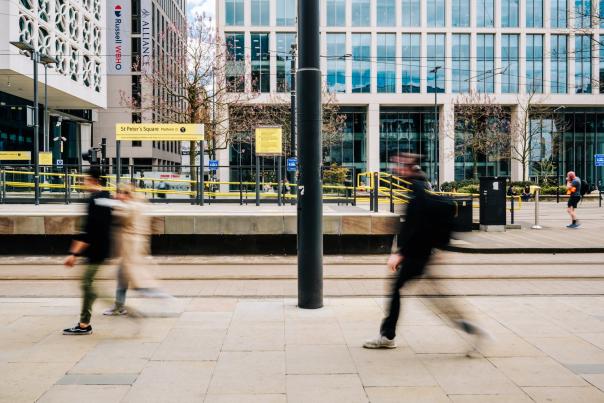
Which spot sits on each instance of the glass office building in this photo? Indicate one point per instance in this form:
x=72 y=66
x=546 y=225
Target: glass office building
x=384 y=61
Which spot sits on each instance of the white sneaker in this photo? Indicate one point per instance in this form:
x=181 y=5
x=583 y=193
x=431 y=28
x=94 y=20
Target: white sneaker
x=380 y=342
x=115 y=311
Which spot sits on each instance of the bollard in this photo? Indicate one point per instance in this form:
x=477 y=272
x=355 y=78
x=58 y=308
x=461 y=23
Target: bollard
x=512 y=208
x=537 y=191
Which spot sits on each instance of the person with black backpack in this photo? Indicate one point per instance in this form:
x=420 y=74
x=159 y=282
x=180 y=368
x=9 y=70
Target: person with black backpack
x=428 y=224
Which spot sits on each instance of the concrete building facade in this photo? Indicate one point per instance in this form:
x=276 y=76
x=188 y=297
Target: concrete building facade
x=73 y=33
x=377 y=57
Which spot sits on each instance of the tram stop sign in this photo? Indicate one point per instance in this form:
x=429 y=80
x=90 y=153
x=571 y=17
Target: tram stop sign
x=292 y=164
x=213 y=164
x=599 y=160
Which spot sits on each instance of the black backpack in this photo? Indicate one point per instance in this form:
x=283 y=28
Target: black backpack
x=584 y=188
x=440 y=216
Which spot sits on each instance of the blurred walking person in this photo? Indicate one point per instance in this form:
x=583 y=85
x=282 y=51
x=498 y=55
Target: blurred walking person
x=133 y=246
x=93 y=243
x=428 y=224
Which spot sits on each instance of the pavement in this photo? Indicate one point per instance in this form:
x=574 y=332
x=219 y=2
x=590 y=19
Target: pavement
x=554 y=237
x=545 y=314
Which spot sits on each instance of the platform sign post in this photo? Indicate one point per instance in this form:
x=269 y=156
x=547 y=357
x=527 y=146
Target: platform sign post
x=269 y=143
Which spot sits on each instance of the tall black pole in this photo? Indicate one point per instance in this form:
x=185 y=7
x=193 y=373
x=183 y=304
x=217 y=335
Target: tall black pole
x=292 y=122
x=35 y=56
x=310 y=207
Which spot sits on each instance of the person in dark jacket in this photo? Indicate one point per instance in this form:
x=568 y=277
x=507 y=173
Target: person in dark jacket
x=93 y=243
x=414 y=251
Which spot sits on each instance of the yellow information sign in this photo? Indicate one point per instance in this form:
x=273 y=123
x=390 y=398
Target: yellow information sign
x=15 y=155
x=45 y=158
x=269 y=141
x=159 y=132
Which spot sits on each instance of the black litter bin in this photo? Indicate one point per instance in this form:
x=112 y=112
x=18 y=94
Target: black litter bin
x=463 y=221
x=492 y=203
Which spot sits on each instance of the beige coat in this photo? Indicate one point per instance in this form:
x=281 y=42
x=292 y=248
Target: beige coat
x=133 y=240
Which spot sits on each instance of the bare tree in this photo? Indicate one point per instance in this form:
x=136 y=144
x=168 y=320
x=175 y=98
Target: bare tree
x=481 y=127
x=191 y=86
x=528 y=130
x=245 y=117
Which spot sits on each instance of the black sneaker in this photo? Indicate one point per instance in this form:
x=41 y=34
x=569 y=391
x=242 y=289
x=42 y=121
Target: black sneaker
x=77 y=330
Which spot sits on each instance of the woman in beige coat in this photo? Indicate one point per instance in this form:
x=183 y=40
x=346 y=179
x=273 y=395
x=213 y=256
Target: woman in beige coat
x=133 y=248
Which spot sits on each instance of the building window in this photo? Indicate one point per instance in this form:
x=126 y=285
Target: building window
x=509 y=64
x=509 y=13
x=284 y=78
x=386 y=68
x=260 y=12
x=336 y=13
x=461 y=13
x=436 y=13
x=461 y=63
x=601 y=14
x=336 y=62
x=559 y=62
x=286 y=13
x=582 y=13
x=583 y=64
x=601 y=74
x=410 y=13
x=385 y=13
x=534 y=13
x=436 y=58
x=534 y=63
x=485 y=63
x=408 y=130
x=350 y=151
x=261 y=72
x=558 y=13
x=485 y=13
x=361 y=62
x=233 y=12
x=235 y=64
x=361 y=13
x=411 y=77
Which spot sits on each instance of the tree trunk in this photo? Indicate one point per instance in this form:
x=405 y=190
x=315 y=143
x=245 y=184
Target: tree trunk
x=474 y=165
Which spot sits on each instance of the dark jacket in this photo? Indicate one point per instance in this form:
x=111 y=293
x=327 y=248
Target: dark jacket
x=414 y=238
x=96 y=229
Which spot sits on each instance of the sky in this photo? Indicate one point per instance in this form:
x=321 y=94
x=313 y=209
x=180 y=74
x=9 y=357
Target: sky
x=196 y=7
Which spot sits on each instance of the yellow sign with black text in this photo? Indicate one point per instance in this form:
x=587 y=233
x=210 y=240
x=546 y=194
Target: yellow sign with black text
x=269 y=141
x=45 y=158
x=159 y=131
x=15 y=155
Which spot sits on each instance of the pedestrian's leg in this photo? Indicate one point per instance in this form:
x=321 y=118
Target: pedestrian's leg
x=410 y=269
x=122 y=288
x=88 y=292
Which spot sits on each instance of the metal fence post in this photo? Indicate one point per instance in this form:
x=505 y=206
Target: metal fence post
x=257 y=181
x=391 y=197
x=279 y=181
x=240 y=186
x=3 y=191
x=66 y=183
x=376 y=189
x=537 y=226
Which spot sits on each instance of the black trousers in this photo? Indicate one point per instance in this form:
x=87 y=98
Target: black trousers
x=411 y=268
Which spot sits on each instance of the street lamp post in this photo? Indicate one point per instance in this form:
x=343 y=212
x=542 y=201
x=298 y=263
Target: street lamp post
x=292 y=118
x=435 y=139
x=35 y=57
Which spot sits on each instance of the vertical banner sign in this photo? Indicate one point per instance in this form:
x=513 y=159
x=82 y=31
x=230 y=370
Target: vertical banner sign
x=146 y=37
x=119 y=30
